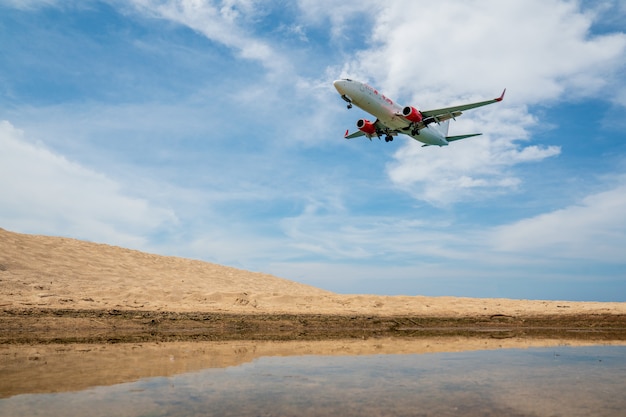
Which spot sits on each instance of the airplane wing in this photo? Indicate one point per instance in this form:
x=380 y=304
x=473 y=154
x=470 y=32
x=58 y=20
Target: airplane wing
x=353 y=135
x=437 y=114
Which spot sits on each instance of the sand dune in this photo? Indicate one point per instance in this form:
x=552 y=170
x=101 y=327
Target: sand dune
x=53 y=272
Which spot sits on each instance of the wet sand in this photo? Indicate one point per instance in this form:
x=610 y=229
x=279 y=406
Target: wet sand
x=34 y=326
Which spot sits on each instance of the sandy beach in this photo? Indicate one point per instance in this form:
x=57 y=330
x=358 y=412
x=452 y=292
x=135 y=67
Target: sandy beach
x=66 y=302
x=50 y=284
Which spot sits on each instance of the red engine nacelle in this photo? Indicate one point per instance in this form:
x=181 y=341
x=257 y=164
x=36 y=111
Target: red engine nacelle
x=366 y=127
x=412 y=114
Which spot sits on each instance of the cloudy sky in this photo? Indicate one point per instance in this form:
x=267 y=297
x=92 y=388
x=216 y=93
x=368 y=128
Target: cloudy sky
x=211 y=130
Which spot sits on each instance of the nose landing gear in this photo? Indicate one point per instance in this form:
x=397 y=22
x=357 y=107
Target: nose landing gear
x=347 y=100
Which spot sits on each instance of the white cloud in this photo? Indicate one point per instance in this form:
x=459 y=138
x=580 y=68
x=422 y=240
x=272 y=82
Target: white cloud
x=337 y=15
x=471 y=169
x=476 y=46
x=364 y=247
x=43 y=192
x=225 y=22
x=594 y=229
x=342 y=236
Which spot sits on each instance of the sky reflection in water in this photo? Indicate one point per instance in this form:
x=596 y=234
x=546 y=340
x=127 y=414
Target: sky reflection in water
x=555 y=381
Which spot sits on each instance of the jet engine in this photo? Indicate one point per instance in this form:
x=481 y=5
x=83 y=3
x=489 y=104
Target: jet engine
x=412 y=114
x=366 y=127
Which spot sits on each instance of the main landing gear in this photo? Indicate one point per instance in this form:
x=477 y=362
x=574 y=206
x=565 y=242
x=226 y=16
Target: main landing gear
x=349 y=106
x=415 y=129
x=388 y=138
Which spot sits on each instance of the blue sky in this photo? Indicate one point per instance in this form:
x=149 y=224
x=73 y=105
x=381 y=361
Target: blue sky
x=211 y=130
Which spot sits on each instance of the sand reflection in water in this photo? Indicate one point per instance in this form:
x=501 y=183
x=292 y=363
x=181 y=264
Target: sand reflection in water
x=438 y=376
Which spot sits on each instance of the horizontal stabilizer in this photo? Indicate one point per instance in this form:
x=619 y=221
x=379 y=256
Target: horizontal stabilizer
x=453 y=138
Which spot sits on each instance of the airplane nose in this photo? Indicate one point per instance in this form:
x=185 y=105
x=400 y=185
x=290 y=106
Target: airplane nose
x=339 y=85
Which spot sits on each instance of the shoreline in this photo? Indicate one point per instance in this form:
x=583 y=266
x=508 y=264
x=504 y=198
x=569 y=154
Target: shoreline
x=71 y=326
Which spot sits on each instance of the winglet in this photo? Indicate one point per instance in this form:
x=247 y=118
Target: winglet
x=346 y=135
x=502 y=96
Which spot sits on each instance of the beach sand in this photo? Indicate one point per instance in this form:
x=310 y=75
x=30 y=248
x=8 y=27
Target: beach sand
x=51 y=284
x=60 y=273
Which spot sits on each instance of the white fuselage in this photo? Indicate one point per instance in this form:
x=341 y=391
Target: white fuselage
x=385 y=110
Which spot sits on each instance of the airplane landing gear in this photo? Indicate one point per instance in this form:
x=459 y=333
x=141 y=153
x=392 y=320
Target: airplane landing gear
x=388 y=138
x=347 y=100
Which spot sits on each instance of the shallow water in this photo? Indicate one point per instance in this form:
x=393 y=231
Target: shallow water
x=550 y=381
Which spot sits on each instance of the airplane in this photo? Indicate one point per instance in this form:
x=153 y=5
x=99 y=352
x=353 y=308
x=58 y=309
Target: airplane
x=392 y=119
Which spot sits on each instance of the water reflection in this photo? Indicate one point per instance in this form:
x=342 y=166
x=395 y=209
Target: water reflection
x=368 y=379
